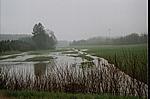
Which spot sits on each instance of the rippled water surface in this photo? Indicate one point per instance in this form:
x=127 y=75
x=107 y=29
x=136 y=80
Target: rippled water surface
x=17 y=63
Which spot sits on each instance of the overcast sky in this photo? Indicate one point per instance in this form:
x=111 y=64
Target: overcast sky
x=75 y=19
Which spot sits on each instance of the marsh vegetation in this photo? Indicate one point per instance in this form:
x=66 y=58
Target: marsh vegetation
x=132 y=59
x=64 y=73
x=93 y=68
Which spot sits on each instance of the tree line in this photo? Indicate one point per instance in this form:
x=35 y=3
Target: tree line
x=42 y=39
x=132 y=38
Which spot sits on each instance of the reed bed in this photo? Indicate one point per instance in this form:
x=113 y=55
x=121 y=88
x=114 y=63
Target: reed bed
x=132 y=59
x=101 y=79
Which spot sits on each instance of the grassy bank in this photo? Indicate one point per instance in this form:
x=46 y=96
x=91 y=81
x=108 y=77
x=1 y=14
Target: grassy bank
x=11 y=56
x=9 y=52
x=132 y=59
x=39 y=58
x=7 y=94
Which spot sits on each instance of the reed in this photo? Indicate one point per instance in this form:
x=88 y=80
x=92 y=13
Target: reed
x=100 y=80
x=132 y=59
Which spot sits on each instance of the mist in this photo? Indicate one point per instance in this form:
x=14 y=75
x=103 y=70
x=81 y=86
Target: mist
x=56 y=48
x=75 y=19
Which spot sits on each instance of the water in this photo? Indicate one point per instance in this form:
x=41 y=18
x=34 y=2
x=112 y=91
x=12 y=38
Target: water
x=18 y=65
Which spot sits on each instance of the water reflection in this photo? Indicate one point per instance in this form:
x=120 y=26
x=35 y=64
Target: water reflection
x=50 y=66
x=39 y=69
x=20 y=67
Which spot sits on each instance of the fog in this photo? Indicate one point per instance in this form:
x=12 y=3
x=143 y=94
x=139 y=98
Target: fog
x=75 y=19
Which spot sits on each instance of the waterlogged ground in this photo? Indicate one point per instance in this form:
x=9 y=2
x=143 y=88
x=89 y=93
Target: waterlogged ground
x=38 y=63
x=107 y=78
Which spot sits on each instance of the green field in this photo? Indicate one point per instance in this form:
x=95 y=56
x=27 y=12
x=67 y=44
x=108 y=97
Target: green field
x=7 y=94
x=132 y=59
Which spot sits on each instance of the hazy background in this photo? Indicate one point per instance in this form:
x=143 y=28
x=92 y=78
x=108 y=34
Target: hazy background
x=75 y=19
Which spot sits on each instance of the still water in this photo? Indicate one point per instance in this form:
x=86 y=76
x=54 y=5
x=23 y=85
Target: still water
x=18 y=65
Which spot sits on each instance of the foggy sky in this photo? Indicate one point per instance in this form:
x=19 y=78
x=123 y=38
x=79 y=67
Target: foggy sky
x=75 y=19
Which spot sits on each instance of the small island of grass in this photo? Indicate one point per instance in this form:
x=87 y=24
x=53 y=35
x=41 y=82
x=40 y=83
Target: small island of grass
x=39 y=58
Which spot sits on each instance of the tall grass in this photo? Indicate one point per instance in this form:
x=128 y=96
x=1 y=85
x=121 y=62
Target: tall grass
x=101 y=79
x=132 y=59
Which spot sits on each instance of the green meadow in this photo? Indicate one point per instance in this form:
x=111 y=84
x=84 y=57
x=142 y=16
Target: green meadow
x=132 y=59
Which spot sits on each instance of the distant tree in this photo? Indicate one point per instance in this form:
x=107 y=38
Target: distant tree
x=132 y=38
x=144 y=38
x=50 y=39
x=42 y=38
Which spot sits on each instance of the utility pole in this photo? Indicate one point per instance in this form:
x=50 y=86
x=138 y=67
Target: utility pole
x=109 y=30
